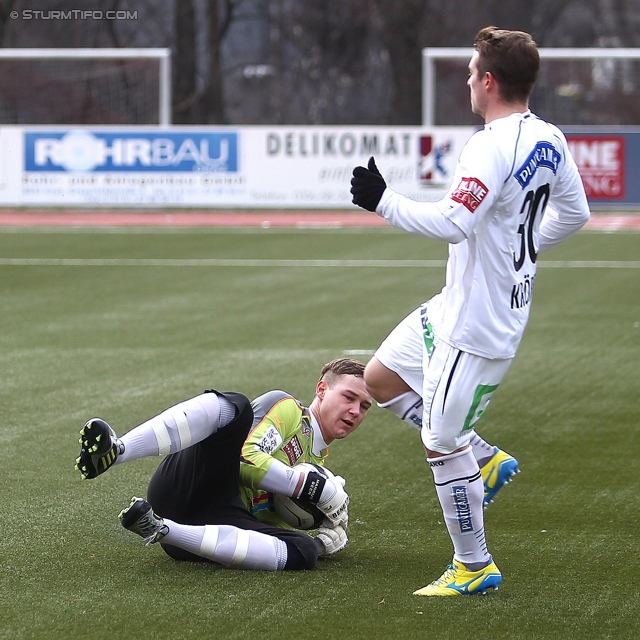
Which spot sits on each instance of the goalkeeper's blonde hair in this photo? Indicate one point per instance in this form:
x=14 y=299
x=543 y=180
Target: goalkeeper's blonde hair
x=339 y=367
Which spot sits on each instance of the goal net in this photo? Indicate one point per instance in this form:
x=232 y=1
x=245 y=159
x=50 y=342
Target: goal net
x=85 y=86
x=574 y=87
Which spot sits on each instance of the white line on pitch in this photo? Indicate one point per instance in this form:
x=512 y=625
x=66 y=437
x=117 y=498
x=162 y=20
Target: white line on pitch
x=229 y=262
x=213 y=262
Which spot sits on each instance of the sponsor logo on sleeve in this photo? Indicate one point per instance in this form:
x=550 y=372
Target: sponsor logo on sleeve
x=470 y=193
x=293 y=450
x=270 y=441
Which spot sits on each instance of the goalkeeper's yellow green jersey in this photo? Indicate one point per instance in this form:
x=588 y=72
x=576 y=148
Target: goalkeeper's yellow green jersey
x=282 y=430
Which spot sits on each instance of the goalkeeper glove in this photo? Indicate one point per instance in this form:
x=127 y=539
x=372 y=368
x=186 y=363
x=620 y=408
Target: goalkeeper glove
x=330 y=540
x=326 y=491
x=367 y=186
x=335 y=505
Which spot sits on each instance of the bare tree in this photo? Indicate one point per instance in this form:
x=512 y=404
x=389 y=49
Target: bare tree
x=332 y=57
x=6 y=7
x=198 y=92
x=407 y=27
x=320 y=61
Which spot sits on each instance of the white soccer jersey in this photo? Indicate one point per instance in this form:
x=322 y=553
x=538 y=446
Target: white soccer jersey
x=506 y=175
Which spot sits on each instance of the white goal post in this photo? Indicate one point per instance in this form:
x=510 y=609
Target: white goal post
x=162 y=55
x=607 y=67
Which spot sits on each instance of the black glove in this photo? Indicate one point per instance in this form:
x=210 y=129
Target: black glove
x=367 y=186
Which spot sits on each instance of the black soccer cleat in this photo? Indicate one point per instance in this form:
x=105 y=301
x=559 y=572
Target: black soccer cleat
x=139 y=518
x=99 y=448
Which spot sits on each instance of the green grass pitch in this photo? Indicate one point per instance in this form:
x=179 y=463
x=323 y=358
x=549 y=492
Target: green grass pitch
x=123 y=323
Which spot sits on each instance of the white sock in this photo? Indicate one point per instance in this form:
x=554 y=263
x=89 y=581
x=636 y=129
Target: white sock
x=178 y=427
x=229 y=546
x=407 y=406
x=482 y=450
x=460 y=491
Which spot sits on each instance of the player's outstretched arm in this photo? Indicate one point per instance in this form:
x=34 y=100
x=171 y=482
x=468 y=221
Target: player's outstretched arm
x=370 y=192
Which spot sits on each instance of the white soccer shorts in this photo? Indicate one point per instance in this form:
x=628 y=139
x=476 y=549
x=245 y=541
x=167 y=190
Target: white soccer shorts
x=455 y=386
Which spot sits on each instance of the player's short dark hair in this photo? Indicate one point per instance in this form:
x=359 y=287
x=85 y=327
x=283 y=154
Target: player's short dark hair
x=341 y=367
x=512 y=58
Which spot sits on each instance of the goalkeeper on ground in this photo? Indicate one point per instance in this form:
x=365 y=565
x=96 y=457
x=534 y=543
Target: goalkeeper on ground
x=211 y=498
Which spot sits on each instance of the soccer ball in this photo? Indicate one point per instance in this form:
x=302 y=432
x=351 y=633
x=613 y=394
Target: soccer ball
x=297 y=513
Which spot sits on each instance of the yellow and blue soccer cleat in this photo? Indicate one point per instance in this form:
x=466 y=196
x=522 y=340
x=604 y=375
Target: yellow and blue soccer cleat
x=99 y=448
x=496 y=473
x=458 y=581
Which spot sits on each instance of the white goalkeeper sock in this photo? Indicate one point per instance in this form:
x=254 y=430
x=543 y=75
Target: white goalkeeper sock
x=229 y=546
x=407 y=406
x=178 y=427
x=460 y=491
x=482 y=450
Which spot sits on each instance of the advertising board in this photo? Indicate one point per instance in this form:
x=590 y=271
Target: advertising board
x=257 y=167
x=249 y=167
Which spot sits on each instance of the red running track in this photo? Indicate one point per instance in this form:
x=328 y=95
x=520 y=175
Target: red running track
x=264 y=218
x=134 y=218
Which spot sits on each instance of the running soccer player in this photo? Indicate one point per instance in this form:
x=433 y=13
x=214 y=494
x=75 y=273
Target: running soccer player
x=211 y=498
x=516 y=192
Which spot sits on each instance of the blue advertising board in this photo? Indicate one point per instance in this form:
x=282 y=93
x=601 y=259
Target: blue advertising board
x=117 y=151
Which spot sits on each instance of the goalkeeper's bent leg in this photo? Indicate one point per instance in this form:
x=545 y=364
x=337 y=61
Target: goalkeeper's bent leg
x=280 y=549
x=229 y=546
x=178 y=427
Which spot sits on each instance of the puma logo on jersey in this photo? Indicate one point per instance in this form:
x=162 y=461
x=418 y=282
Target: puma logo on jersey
x=470 y=193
